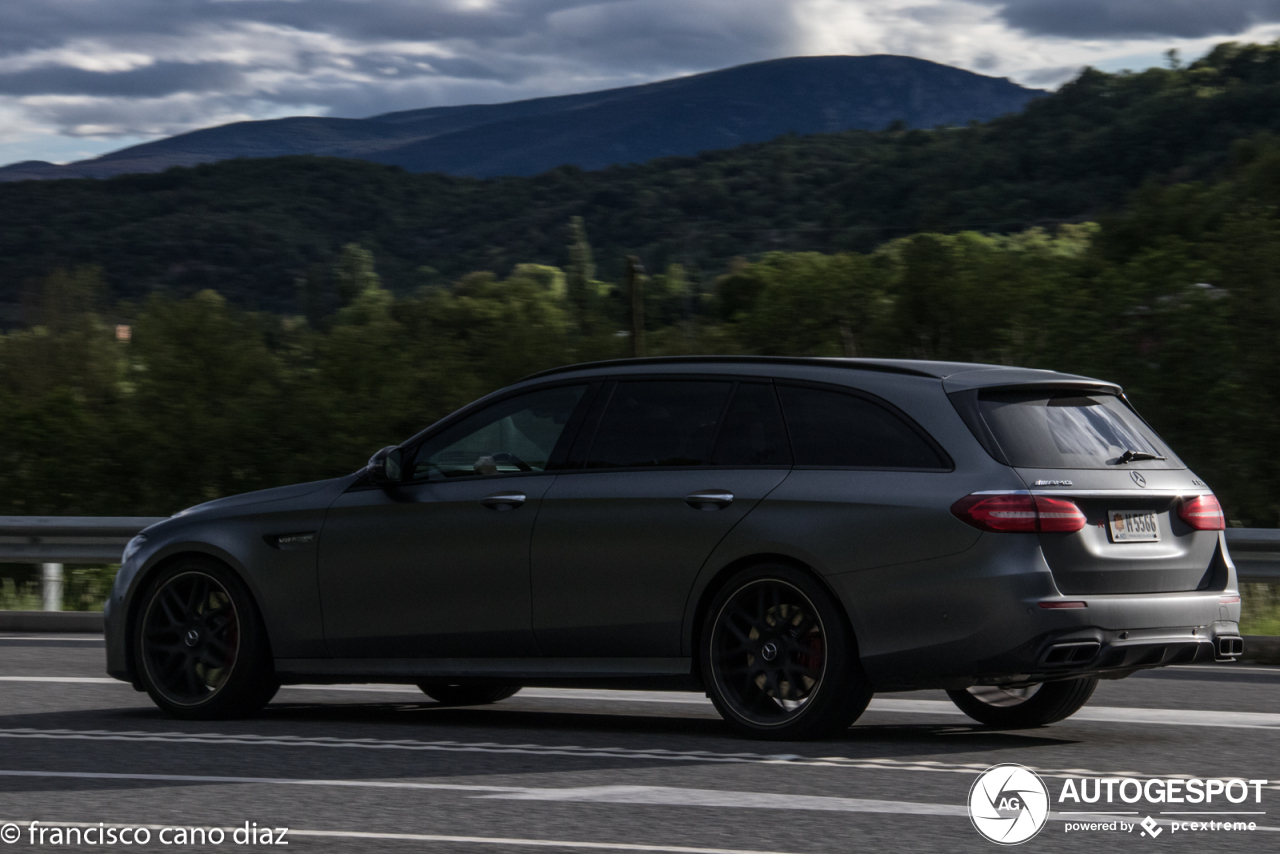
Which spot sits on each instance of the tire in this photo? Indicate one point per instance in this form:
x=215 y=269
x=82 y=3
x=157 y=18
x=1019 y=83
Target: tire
x=200 y=647
x=462 y=694
x=811 y=686
x=1023 y=708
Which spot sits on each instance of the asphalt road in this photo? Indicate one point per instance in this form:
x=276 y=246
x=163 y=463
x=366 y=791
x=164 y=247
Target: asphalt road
x=382 y=768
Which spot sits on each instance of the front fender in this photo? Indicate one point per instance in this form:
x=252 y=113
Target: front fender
x=282 y=580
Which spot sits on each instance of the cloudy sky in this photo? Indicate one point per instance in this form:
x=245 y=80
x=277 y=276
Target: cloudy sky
x=82 y=77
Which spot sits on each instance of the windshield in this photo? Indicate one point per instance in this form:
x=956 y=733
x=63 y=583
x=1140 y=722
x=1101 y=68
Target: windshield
x=1043 y=429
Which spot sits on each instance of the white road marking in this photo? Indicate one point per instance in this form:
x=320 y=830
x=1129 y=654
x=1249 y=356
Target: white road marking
x=91 y=680
x=431 y=837
x=652 y=795
x=1227 y=668
x=670 y=796
x=1096 y=714
x=1178 y=717
x=572 y=751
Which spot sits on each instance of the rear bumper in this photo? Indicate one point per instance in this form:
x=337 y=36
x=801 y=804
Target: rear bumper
x=1112 y=653
x=1079 y=643
x=977 y=619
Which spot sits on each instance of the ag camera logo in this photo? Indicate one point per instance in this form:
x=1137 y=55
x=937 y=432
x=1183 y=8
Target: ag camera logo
x=1009 y=804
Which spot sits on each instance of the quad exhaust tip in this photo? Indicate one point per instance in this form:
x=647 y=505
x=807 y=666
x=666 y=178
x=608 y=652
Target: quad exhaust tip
x=1230 y=647
x=1072 y=653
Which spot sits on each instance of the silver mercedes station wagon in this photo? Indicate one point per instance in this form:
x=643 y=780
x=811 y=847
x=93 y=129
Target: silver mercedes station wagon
x=789 y=535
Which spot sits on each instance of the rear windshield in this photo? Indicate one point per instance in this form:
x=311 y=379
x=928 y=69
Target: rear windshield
x=1042 y=429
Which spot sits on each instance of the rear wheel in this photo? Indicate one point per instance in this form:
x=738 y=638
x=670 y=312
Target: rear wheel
x=1029 y=706
x=777 y=659
x=200 y=647
x=463 y=694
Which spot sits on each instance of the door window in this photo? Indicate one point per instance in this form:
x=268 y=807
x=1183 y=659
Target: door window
x=753 y=433
x=830 y=428
x=518 y=434
x=659 y=423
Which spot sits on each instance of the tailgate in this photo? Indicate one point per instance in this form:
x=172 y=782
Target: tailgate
x=1087 y=444
x=1102 y=558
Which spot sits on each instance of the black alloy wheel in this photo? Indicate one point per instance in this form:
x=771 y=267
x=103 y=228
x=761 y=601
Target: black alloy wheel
x=1026 y=706
x=777 y=659
x=200 y=647
x=466 y=694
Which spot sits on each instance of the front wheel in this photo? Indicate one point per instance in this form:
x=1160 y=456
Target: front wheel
x=200 y=648
x=777 y=659
x=1025 y=707
x=463 y=694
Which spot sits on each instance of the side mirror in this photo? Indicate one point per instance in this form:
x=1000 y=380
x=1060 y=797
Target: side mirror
x=384 y=466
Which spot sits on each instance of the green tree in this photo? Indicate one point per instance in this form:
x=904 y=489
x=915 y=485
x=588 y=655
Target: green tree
x=805 y=304
x=207 y=416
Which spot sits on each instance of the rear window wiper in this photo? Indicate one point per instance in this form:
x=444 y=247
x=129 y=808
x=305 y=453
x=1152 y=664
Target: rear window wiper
x=1135 y=456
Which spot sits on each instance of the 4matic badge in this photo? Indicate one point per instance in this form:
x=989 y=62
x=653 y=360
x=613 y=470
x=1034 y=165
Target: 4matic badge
x=1009 y=804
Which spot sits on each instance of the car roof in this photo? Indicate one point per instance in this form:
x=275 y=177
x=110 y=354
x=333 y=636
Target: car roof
x=956 y=376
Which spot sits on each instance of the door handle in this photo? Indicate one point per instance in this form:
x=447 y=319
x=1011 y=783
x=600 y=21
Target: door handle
x=709 y=499
x=504 y=500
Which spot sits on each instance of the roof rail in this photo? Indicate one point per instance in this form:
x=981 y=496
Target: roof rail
x=827 y=361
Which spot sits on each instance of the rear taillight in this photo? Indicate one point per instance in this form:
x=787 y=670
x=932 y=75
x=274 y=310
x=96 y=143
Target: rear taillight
x=1019 y=512
x=1203 y=512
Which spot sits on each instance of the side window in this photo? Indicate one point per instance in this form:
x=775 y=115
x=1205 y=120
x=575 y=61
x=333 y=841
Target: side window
x=829 y=428
x=659 y=423
x=753 y=433
x=516 y=434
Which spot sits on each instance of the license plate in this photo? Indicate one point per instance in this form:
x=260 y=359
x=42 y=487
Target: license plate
x=1130 y=527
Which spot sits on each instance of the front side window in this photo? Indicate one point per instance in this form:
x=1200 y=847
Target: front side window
x=659 y=423
x=518 y=434
x=831 y=428
x=1047 y=429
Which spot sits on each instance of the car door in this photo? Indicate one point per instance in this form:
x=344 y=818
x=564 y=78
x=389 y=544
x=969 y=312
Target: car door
x=671 y=467
x=438 y=565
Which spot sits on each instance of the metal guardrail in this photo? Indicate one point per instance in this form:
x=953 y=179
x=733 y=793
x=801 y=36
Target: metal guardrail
x=1256 y=553
x=52 y=541
x=68 y=539
x=100 y=539
x=56 y=540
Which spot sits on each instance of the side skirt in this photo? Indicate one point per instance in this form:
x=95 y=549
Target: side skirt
x=293 y=670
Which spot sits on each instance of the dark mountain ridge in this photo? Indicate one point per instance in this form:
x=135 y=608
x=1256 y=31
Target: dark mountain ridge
x=252 y=228
x=683 y=116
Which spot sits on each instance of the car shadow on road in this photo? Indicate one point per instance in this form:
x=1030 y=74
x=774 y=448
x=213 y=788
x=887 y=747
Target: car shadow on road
x=429 y=721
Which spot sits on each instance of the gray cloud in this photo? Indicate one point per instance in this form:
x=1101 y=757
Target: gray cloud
x=137 y=68
x=357 y=58
x=1112 y=19
x=44 y=24
x=149 y=81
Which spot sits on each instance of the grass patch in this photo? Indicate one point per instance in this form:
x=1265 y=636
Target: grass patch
x=1260 y=609
x=84 y=588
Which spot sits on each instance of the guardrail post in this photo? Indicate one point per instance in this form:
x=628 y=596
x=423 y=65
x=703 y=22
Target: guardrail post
x=51 y=585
